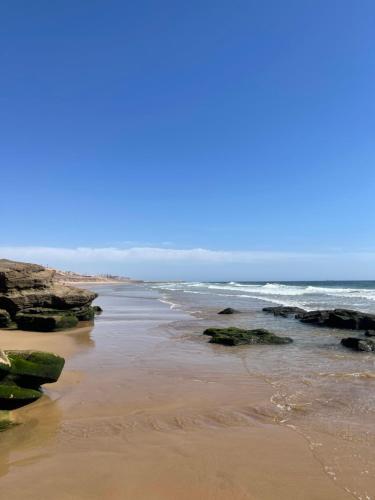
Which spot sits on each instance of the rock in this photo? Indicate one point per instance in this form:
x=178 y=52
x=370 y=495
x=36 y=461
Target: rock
x=366 y=345
x=19 y=276
x=55 y=297
x=23 y=372
x=12 y=396
x=283 y=311
x=5 y=319
x=228 y=310
x=45 y=320
x=35 y=367
x=339 y=318
x=370 y=333
x=86 y=313
x=24 y=287
x=237 y=336
x=97 y=310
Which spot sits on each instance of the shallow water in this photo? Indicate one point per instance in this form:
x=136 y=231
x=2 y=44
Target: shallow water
x=320 y=389
x=147 y=409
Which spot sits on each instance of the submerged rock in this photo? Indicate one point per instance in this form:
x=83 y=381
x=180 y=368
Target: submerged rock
x=29 y=296
x=284 y=311
x=366 y=345
x=23 y=372
x=228 y=310
x=238 y=336
x=339 y=318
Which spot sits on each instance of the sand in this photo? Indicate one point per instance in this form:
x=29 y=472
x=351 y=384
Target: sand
x=140 y=413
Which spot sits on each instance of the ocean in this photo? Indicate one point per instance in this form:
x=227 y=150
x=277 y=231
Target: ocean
x=320 y=389
x=309 y=295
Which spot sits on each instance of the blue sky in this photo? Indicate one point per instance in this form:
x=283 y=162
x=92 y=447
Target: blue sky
x=243 y=128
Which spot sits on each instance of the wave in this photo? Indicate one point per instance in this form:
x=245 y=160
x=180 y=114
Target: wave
x=306 y=295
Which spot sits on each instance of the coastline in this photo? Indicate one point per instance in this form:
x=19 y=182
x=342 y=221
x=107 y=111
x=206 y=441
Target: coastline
x=146 y=409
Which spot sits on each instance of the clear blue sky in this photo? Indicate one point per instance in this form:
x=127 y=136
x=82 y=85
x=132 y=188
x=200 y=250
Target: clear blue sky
x=232 y=126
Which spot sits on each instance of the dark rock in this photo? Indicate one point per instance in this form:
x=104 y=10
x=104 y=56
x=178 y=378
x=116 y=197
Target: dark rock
x=29 y=295
x=12 y=396
x=22 y=373
x=366 y=345
x=339 y=318
x=45 y=320
x=4 y=318
x=228 y=310
x=283 y=311
x=237 y=336
x=97 y=310
x=370 y=333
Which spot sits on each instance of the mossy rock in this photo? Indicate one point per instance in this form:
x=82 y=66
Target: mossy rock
x=97 y=310
x=86 y=313
x=45 y=320
x=33 y=368
x=237 y=336
x=13 y=396
x=5 y=319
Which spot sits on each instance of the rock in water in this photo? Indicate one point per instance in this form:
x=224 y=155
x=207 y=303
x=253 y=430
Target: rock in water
x=366 y=345
x=283 y=311
x=339 y=318
x=238 y=336
x=29 y=296
x=23 y=372
x=228 y=310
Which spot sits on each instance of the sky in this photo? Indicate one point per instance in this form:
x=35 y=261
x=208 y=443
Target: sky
x=208 y=140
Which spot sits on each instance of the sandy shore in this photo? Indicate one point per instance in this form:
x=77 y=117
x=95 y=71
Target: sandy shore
x=144 y=412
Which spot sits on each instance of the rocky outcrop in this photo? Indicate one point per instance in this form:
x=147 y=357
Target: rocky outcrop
x=4 y=318
x=366 y=345
x=23 y=372
x=34 y=301
x=283 y=311
x=238 y=336
x=228 y=310
x=339 y=318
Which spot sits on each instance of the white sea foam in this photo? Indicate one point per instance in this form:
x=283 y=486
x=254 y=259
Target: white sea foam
x=304 y=295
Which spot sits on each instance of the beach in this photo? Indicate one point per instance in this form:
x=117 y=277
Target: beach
x=147 y=409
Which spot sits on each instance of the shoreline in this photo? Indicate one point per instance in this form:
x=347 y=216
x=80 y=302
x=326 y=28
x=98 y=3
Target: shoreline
x=146 y=409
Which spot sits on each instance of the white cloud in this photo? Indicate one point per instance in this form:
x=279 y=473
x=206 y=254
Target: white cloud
x=163 y=263
x=137 y=254
x=156 y=254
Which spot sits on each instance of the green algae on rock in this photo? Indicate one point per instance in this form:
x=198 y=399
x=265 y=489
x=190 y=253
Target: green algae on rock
x=35 y=367
x=23 y=372
x=237 y=336
x=45 y=320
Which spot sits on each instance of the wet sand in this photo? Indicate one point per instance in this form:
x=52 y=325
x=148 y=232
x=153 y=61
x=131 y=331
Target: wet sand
x=146 y=410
